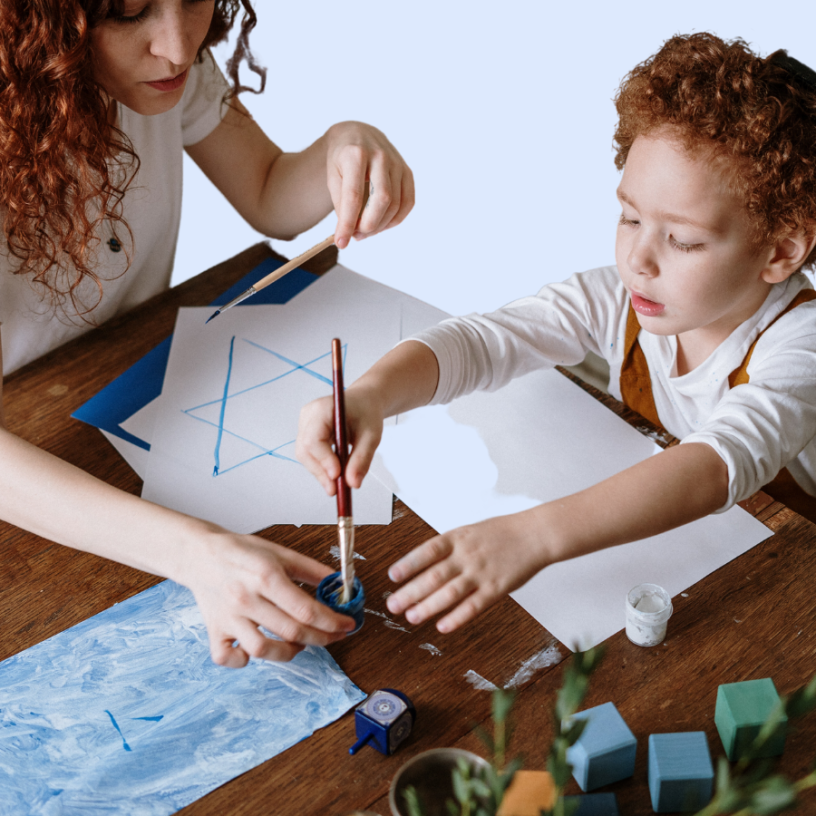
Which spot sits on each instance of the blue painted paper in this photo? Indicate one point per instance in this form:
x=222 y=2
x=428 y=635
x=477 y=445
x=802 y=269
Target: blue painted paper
x=142 y=382
x=126 y=713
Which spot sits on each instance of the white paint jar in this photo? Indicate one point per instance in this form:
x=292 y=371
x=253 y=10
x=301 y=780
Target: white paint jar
x=648 y=609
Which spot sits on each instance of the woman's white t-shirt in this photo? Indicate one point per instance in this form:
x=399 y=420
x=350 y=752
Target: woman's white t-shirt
x=152 y=210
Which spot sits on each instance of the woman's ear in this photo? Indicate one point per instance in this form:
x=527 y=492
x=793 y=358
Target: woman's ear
x=787 y=255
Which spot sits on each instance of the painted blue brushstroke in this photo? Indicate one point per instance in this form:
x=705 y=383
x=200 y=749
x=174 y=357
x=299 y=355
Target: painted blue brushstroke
x=264 y=451
x=221 y=429
x=116 y=726
x=223 y=409
x=297 y=367
x=191 y=725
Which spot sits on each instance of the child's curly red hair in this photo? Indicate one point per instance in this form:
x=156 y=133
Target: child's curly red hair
x=749 y=111
x=58 y=152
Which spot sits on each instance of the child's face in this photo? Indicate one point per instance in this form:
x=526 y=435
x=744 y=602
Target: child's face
x=154 y=40
x=682 y=245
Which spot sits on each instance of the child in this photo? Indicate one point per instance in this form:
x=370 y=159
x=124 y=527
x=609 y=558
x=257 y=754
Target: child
x=707 y=322
x=99 y=98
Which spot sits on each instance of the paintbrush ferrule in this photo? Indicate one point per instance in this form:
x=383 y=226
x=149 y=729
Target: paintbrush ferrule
x=345 y=532
x=240 y=299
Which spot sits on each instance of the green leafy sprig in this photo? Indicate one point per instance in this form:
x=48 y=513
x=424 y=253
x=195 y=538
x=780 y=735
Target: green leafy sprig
x=568 y=730
x=750 y=788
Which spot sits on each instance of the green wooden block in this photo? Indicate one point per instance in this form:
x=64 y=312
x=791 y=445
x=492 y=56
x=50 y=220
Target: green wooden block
x=741 y=710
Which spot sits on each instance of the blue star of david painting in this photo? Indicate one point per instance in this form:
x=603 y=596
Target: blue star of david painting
x=244 y=417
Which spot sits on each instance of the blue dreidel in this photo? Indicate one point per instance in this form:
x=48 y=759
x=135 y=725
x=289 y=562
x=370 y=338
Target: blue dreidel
x=605 y=751
x=328 y=592
x=383 y=721
x=681 y=776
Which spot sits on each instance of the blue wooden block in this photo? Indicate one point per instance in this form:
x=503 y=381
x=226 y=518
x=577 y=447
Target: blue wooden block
x=595 y=804
x=681 y=776
x=605 y=752
x=741 y=710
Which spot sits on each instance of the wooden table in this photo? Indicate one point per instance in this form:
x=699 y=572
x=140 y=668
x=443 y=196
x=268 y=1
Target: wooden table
x=753 y=618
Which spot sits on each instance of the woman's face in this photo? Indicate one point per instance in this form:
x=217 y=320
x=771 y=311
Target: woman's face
x=142 y=57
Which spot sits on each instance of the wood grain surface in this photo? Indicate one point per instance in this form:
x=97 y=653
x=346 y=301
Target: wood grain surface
x=753 y=618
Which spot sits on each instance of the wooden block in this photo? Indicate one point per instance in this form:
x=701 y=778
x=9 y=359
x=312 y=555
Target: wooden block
x=681 y=776
x=595 y=804
x=741 y=710
x=529 y=793
x=605 y=752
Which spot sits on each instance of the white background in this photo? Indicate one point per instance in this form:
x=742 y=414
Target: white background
x=503 y=110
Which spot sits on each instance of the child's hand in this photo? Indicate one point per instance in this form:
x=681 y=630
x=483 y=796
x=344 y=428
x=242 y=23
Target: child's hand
x=468 y=568
x=364 y=425
x=241 y=582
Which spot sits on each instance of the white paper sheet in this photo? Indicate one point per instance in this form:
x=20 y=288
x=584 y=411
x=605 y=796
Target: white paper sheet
x=232 y=460
x=135 y=456
x=539 y=438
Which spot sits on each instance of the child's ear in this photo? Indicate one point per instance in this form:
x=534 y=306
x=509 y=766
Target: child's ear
x=787 y=255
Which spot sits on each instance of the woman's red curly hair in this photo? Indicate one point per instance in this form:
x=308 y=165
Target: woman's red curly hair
x=751 y=112
x=58 y=151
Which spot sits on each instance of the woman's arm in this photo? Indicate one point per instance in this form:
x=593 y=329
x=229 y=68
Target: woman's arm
x=282 y=194
x=239 y=581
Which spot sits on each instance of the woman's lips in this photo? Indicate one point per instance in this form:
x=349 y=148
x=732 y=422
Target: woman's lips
x=171 y=84
x=645 y=306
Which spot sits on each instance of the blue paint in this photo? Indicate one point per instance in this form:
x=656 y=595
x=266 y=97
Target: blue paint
x=116 y=726
x=223 y=408
x=296 y=366
x=191 y=726
x=221 y=401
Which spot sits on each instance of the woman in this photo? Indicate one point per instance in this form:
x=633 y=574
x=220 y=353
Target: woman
x=98 y=99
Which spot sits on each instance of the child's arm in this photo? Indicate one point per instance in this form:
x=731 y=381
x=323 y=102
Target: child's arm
x=283 y=194
x=472 y=567
x=239 y=581
x=403 y=379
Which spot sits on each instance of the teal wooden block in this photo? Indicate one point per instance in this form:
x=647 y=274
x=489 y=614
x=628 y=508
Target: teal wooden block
x=595 y=804
x=605 y=752
x=681 y=776
x=741 y=710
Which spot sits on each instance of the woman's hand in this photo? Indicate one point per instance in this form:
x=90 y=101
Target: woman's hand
x=359 y=155
x=468 y=569
x=241 y=582
x=364 y=424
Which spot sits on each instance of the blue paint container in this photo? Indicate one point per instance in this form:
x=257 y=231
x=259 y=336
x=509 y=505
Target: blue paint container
x=329 y=590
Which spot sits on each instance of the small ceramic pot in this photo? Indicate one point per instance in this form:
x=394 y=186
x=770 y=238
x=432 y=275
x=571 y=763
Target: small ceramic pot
x=431 y=774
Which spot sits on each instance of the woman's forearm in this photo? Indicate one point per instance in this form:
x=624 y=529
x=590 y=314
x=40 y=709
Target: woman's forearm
x=60 y=502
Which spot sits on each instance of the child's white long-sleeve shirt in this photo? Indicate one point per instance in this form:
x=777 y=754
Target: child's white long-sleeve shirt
x=757 y=428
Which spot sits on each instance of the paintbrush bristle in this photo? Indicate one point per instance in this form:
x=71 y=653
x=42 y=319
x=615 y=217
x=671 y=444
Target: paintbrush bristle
x=214 y=314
